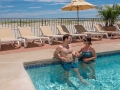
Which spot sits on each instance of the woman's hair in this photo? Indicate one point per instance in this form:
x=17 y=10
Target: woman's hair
x=88 y=38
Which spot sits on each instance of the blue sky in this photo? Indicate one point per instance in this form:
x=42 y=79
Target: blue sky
x=46 y=9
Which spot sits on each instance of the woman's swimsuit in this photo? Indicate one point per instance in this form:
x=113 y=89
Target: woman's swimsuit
x=87 y=54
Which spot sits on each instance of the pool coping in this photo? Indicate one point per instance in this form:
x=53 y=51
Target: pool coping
x=54 y=61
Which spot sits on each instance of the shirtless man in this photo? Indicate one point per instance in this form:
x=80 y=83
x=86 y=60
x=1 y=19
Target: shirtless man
x=65 y=53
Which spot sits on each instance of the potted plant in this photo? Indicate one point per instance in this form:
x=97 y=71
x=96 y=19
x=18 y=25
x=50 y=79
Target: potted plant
x=109 y=14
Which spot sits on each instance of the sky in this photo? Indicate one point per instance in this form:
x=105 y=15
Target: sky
x=46 y=9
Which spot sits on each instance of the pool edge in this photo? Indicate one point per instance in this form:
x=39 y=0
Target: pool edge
x=54 y=61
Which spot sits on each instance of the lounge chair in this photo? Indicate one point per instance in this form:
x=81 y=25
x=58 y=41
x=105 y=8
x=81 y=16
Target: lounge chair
x=47 y=32
x=26 y=35
x=81 y=29
x=100 y=29
x=118 y=24
x=6 y=36
x=63 y=30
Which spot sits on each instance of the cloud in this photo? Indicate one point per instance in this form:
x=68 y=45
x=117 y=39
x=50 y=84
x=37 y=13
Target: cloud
x=4 y=11
x=30 y=14
x=49 y=14
x=93 y=15
x=47 y=0
x=9 y=6
x=19 y=11
x=62 y=3
x=6 y=6
x=7 y=0
x=34 y=7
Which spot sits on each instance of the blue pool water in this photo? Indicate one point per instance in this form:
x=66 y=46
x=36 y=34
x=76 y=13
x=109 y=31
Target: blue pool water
x=51 y=77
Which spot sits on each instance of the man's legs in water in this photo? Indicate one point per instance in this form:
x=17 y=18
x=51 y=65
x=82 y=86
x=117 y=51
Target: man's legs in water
x=66 y=75
x=80 y=77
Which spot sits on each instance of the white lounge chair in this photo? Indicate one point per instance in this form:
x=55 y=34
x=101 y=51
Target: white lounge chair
x=118 y=24
x=47 y=32
x=6 y=36
x=100 y=29
x=26 y=35
x=63 y=30
x=81 y=29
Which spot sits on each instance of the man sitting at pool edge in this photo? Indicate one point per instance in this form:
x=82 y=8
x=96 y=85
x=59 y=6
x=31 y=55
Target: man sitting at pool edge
x=65 y=53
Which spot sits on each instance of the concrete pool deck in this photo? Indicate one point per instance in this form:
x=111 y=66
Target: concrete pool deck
x=13 y=75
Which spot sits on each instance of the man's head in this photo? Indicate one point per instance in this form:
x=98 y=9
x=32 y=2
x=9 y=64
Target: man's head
x=67 y=38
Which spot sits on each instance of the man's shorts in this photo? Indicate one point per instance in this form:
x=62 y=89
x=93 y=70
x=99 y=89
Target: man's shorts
x=69 y=65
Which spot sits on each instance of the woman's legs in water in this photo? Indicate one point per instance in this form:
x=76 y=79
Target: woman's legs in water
x=84 y=66
x=92 y=67
x=80 y=77
x=89 y=69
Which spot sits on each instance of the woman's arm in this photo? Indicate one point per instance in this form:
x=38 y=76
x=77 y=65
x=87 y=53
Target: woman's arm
x=78 y=53
x=93 y=53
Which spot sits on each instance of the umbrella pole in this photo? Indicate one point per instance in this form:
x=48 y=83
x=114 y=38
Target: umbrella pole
x=77 y=15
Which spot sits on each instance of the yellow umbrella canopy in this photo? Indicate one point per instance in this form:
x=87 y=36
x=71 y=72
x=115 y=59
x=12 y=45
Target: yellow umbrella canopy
x=76 y=5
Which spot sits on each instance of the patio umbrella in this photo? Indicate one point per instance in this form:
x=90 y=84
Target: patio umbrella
x=76 y=5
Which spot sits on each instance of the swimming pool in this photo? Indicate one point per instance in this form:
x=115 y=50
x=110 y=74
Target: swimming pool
x=50 y=77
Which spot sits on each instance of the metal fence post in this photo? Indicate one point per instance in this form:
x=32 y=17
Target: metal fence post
x=42 y=22
x=61 y=21
x=20 y=22
x=45 y=22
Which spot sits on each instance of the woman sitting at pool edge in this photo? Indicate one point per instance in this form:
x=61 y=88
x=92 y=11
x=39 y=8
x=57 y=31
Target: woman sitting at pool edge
x=88 y=55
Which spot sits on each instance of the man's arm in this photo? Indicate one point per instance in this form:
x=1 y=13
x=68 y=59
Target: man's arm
x=57 y=52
